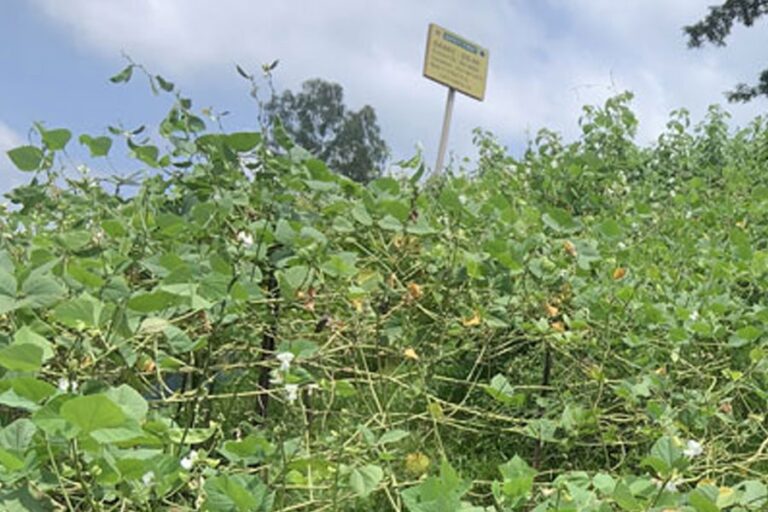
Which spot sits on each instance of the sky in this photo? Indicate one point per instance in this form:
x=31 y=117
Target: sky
x=548 y=58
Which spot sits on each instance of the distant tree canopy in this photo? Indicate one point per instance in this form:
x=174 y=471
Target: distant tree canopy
x=716 y=27
x=316 y=117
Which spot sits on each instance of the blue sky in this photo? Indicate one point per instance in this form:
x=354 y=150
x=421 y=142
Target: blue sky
x=548 y=58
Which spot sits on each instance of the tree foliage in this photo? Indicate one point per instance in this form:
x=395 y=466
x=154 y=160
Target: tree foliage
x=316 y=118
x=716 y=27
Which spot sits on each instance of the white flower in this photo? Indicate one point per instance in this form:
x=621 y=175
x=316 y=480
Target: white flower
x=291 y=392
x=670 y=485
x=285 y=359
x=65 y=385
x=189 y=461
x=275 y=377
x=693 y=449
x=148 y=478
x=693 y=317
x=245 y=238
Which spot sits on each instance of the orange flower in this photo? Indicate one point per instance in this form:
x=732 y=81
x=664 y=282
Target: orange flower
x=414 y=291
x=558 y=326
x=619 y=273
x=551 y=310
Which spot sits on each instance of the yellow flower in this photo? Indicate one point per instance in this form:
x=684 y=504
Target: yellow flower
x=570 y=248
x=409 y=353
x=472 y=321
x=416 y=463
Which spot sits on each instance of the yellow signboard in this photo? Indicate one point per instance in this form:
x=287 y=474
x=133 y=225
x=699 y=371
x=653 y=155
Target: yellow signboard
x=453 y=61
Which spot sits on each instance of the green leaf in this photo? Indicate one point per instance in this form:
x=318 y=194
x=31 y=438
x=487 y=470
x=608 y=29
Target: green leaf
x=745 y=336
x=243 y=142
x=26 y=158
x=560 y=220
x=501 y=390
x=342 y=264
x=389 y=223
x=147 y=154
x=10 y=461
x=98 y=146
x=296 y=276
x=392 y=436
x=27 y=335
x=80 y=313
x=364 y=480
x=32 y=389
x=702 y=502
x=236 y=493
x=130 y=401
x=23 y=357
x=754 y=494
x=164 y=84
x=518 y=478
x=17 y=437
x=360 y=214
x=610 y=229
x=92 y=412
x=623 y=497
x=8 y=287
x=122 y=76
x=437 y=494
x=127 y=431
x=56 y=139
x=665 y=456
x=41 y=290
x=153 y=301
x=250 y=450
x=178 y=340
x=190 y=435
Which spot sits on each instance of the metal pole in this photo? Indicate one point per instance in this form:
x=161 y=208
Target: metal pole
x=444 y=134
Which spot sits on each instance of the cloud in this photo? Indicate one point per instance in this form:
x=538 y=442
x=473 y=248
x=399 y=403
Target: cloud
x=548 y=58
x=9 y=176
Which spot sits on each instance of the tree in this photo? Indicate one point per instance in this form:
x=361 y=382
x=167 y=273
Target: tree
x=716 y=27
x=350 y=142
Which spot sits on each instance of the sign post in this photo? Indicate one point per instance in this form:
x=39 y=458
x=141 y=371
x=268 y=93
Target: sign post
x=444 y=133
x=459 y=64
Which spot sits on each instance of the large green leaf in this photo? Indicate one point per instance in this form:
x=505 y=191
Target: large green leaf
x=92 y=412
x=365 y=479
x=22 y=357
x=153 y=301
x=26 y=158
x=41 y=290
x=98 y=146
x=236 y=493
x=56 y=139
x=130 y=401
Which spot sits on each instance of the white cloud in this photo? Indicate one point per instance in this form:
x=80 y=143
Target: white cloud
x=548 y=57
x=9 y=176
